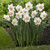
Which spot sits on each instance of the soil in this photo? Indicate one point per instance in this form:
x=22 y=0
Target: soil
x=45 y=38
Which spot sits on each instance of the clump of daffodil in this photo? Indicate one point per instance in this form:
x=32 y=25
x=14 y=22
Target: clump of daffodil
x=26 y=23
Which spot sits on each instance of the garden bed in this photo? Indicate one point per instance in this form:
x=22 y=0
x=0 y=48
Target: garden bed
x=45 y=38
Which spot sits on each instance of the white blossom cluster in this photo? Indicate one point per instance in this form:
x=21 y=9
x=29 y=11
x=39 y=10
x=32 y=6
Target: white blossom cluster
x=23 y=13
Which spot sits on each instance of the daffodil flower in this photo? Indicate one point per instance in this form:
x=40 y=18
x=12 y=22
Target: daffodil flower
x=11 y=13
x=29 y=6
x=7 y=18
x=25 y=11
x=34 y=13
x=18 y=15
x=26 y=18
x=11 y=7
x=19 y=8
x=15 y=22
x=37 y=21
x=40 y=7
x=43 y=15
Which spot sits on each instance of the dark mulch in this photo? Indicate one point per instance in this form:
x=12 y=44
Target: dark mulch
x=46 y=36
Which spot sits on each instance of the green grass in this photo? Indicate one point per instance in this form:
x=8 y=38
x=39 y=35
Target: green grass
x=43 y=47
x=5 y=39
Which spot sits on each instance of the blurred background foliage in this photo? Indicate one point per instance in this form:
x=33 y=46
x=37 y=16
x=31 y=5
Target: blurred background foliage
x=4 y=6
